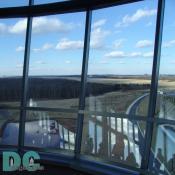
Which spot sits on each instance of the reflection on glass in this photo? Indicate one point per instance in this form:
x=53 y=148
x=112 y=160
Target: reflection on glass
x=9 y=127
x=166 y=93
x=12 y=38
x=162 y=156
x=104 y=141
x=50 y=130
x=56 y=61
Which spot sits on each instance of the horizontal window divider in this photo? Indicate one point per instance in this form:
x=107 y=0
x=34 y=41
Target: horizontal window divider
x=51 y=109
x=115 y=115
x=50 y=152
x=59 y=8
x=10 y=107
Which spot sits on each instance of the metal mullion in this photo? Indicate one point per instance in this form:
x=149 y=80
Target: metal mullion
x=83 y=83
x=25 y=81
x=154 y=84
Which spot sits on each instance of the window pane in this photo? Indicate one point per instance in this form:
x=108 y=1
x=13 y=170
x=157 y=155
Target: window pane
x=12 y=38
x=13 y=3
x=166 y=93
x=50 y=130
x=9 y=127
x=56 y=61
x=119 y=77
x=162 y=156
x=104 y=140
x=120 y=65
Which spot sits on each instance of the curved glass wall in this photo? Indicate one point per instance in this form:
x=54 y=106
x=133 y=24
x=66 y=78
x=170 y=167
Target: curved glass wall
x=164 y=133
x=82 y=82
x=116 y=91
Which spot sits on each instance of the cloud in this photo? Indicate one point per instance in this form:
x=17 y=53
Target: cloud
x=104 y=62
x=19 y=27
x=97 y=38
x=46 y=46
x=138 y=15
x=66 y=44
x=148 y=54
x=67 y=61
x=144 y=43
x=99 y=23
x=40 y=25
x=40 y=62
x=116 y=54
x=121 y=54
x=3 y=28
x=135 y=54
x=149 y=24
x=169 y=44
x=19 y=66
x=172 y=62
x=20 y=49
x=118 y=43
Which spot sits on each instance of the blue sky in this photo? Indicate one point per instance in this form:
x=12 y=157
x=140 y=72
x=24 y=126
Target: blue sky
x=122 y=41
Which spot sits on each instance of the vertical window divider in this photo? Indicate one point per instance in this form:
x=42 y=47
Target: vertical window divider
x=154 y=85
x=25 y=82
x=80 y=119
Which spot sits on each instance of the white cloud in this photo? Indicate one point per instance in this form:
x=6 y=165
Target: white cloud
x=3 y=28
x=149 y=24
x=121 y=62
x=148 y=55
x=97 y=38
x=135 y=54
x=67 y=61
x=19 y=66
x=144 y=43
x=20 y=49
x=40 y=25
x=19 y=27
x=65 y=44
x=45 y=24
x=138 y=15
x=40 y=62
x=116 y=54
x=169 y=44
x=121 y=54
x=172 y=62
x=118 y=43
x=99 y=23
x=46 y=46
x=104 y=62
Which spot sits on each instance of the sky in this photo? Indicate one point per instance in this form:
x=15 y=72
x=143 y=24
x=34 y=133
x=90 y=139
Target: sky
x=122 y=41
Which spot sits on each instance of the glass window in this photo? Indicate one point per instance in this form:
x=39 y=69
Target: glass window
x=50 y=130
x=119 y=77
x=56 y=61
x=166 y=93
x=103 y=141
x=13 y=3
x=12 y=39
x=162 y=157
x=9 y=127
